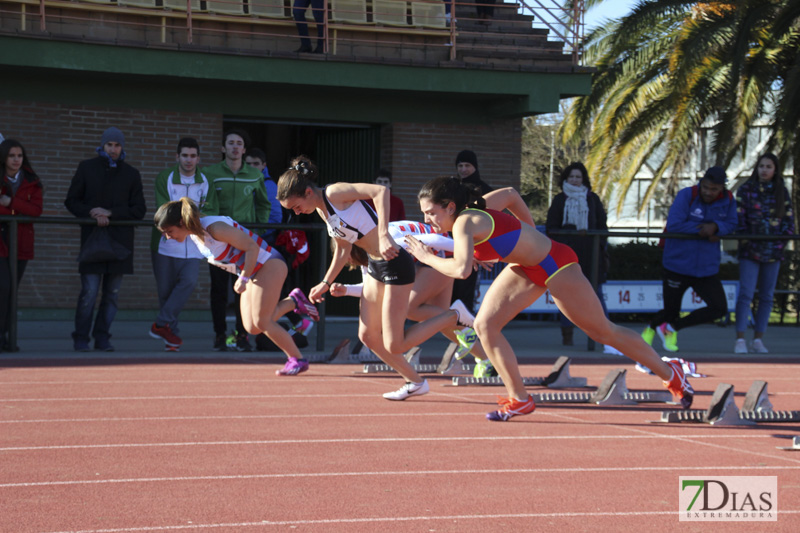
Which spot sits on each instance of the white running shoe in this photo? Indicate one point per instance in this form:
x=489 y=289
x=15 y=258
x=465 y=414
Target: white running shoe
x=641 y=368
x=409 y=389
x=740 y=346
x=758 y=346
x=465 y=318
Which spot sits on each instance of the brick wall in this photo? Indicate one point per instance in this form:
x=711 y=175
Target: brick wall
x=416 y=153
x=56 y=139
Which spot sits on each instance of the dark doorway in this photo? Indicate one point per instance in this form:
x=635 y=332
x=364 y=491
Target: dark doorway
x=343 y=152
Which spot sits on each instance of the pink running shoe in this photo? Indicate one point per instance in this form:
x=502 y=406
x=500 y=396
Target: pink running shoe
x=293 y=366
x=303 y=307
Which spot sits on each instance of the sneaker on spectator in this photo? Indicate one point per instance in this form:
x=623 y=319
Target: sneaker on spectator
x=165 y=332
x=483 y=369
x=641 y=368
x=511 y=407
x=669 y=337
x=293 y=366
x=740 y=346
x=758 y=346
x=465 y=318
x=679 y=386
x=242 y=343
x=221 y=343
x=103 y=345
x=648 y=335
x=466 y=340
x=407 y=390
x=302 y=306
x=81 y=346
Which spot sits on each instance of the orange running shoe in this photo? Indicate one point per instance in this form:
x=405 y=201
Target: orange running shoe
x=511 y=407
x=679 y=386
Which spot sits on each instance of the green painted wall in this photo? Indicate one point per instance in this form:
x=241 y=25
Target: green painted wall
x=277 y=88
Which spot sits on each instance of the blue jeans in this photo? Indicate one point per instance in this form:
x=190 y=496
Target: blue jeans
x=175 y=281
x=90 y=286
x=755 y=275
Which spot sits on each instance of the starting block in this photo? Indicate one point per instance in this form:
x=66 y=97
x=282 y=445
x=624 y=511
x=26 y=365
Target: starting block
x=559 y=378
x=795 y=447
x=448 y=366
x=723 y=409
x=612 y=391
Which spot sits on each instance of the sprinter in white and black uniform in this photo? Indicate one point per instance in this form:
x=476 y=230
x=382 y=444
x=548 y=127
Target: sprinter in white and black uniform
x=261 y=269
x=384 y=301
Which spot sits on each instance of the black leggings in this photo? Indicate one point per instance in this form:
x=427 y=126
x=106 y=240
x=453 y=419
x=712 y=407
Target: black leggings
x=221 y=282
x=708 y=288
x=299 y=12
x=5 y=290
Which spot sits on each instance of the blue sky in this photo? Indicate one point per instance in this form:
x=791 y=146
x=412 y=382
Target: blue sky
x=608 y=9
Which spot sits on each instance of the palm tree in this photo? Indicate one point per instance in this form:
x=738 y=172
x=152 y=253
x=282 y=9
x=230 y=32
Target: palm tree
x=671 y=67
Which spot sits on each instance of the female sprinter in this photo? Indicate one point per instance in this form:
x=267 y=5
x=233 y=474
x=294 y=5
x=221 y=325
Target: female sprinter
x=431 y=293
x=384 y=302
x=535 y=263
x=262 y=271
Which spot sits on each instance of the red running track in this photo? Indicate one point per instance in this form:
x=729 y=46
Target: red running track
x=232 y=447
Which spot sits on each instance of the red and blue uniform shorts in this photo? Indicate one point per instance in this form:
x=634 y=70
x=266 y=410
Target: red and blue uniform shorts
x=560 y=257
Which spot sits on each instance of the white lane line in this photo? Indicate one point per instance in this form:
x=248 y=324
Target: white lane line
x=677 y=468
x=230 y=417
x=331 y=521
x=647 y=436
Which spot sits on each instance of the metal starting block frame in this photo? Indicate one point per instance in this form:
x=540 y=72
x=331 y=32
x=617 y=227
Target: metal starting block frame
x=612 y=391
x=449 y=366
x=559 y=378
x=723 y=409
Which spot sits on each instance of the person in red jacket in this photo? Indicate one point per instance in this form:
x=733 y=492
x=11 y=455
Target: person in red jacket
x=20 y=194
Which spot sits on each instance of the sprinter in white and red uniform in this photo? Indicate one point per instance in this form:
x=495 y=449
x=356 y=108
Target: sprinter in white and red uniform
x=384 y=302
x=261 y=270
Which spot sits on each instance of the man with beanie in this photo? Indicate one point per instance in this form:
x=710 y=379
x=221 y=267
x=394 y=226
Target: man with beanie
x=467 y=168
x=707 y=210
x=105 y=188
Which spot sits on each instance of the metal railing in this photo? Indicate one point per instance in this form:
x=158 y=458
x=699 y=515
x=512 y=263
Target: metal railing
x=13 y=221
x=565 y=24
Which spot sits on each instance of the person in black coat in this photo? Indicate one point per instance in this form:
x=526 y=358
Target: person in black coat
x=578 y=208
x=468 y=173
x=104 y=188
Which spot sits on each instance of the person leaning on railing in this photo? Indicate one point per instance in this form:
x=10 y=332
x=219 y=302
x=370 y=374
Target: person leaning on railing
x=764 y=207
x=20 y=194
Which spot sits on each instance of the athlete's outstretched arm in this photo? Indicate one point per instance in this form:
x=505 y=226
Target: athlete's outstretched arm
x=509 y=198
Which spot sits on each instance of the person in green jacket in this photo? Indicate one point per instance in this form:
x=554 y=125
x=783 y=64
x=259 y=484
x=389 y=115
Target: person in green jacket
x=176 y=265
x=240 y=195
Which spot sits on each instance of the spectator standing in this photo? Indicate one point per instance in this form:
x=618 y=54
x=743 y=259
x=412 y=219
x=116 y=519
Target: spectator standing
x=707 y=210
x=20 y=194
x=176 y=264
x=241 y=196
x=257 y=159
x=578 y=208
x=397 y=209
x=299 y=13
x=764 y=207
x=468 y=173
x=104 y=188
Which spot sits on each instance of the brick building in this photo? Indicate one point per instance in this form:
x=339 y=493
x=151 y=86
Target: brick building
x=408 y=106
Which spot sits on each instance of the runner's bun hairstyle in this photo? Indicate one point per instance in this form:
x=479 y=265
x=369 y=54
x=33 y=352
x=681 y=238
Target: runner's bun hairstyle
x=301 y=174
